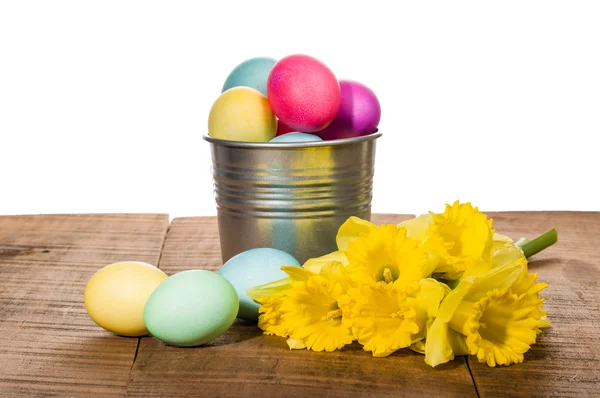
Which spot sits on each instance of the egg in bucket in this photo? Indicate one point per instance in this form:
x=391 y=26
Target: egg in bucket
x=289 y=195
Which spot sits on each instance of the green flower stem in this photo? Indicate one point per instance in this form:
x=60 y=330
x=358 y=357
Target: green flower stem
x=534 y=246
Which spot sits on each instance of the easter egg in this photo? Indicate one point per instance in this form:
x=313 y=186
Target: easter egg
x=250 y=73
x=283 y=128
x=251 y=268
x=116 y=295
x=242 y=114
x=191 y=308
x=303 y=92
x=296 y=137
x=359 y=113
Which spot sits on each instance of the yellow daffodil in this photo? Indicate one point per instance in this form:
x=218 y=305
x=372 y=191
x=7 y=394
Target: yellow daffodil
x=305 y=307
x=470 y=233
x=385 y=254
x=465 y=233
x=495 y=316
x=311 y=314
x=386 y=317
x=389 y=287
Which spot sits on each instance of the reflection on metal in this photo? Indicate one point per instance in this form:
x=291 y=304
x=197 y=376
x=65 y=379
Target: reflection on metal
x=290 y=196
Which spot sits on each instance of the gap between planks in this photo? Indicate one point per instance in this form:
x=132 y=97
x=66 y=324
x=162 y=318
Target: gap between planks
x=470 y=372
x=139 y=339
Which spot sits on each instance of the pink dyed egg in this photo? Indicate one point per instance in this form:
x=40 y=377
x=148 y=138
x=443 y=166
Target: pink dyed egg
x=283 y=128
x=303 y=93
x=359 y=113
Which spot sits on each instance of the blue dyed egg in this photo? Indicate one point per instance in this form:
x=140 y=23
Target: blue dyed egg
x=296 y=137
x=253 y=72
x=255 y=267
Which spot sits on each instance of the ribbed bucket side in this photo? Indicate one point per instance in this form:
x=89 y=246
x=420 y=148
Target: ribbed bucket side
x=292 y=198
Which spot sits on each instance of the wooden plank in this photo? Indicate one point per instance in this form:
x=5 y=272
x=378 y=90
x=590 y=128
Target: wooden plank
x=566 y=359
x=243 y=362
x=48 y=344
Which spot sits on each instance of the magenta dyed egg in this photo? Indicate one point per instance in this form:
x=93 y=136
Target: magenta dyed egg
x=359 y=113
x=303 y=93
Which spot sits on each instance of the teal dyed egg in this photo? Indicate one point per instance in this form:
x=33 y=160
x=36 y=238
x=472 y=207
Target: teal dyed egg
x=251 y=268
x=296 y=137
x=191 y=308
x=253 y=72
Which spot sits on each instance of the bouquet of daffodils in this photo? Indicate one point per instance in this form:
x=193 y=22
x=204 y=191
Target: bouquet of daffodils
x=441 y=284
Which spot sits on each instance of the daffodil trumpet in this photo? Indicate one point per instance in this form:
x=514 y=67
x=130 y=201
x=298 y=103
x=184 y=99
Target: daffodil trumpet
x=442 y=284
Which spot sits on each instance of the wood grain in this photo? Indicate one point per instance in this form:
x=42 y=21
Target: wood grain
x=566 y=359
x=48 y=344
x=243 y=362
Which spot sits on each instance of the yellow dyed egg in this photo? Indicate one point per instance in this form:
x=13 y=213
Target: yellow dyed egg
x=242 y=114
x=116 y=295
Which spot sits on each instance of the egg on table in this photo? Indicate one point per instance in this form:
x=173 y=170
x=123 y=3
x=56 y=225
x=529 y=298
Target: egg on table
x=191 y=308
x=116 y=295
x=251 y=268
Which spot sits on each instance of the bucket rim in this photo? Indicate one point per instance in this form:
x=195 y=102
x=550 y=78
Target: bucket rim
x=280 y=145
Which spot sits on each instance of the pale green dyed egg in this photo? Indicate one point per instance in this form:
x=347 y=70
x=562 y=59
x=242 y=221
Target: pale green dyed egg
x=191 y=308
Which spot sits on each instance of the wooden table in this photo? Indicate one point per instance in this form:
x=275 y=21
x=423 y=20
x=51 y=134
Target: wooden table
x=49 y=345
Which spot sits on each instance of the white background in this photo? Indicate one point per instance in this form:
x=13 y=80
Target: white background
x=103 y=104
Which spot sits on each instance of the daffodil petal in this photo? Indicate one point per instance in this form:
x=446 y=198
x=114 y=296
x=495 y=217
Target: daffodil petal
x=351 y=230
x=479 y=267
x=417 y=228
x=458 y=342
x=453 y=300
x=437 y=346
x=544 y=322
x=336 y=271
x=497 y=278
x=315 y=264
x=501 y=241
x=298 y=274
x=502 y=238
x=506 y=255
x=295 y=344
x=430 y=295
x=418 y=347
x=270 y=289
x=277 y=287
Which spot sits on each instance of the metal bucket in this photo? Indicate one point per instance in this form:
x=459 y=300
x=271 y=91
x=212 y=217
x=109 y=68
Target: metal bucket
x=290 y=196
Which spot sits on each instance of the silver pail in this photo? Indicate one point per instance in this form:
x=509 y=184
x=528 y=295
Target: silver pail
x=290 y=196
